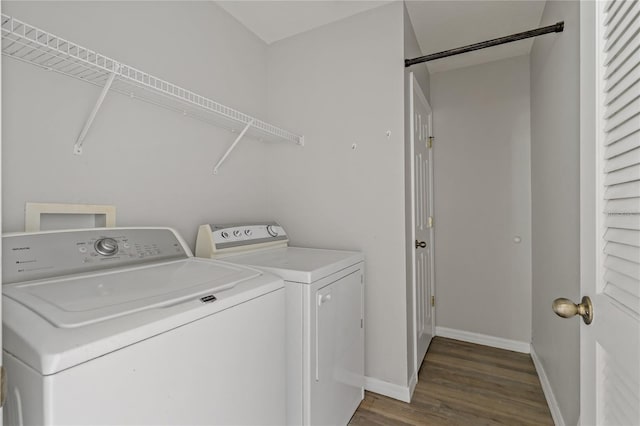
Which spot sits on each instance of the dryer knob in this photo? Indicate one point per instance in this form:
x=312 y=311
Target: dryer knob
x=271 y=230
x=106 y=246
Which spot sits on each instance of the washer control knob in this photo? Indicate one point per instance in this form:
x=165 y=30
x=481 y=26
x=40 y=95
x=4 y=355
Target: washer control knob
x=106 y=246
x=224 y=234
x=271 y=230
x=248 y=232
x=237 y=233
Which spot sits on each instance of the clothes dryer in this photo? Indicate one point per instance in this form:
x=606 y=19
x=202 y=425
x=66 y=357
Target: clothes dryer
x=324 y=316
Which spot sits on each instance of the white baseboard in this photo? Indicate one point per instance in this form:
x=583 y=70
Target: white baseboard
x=484 y=339
x=412 y=384
x=402 y=393
x=548 y=392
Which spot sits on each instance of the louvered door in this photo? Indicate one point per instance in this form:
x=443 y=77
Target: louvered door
x=611 y=345
x=621 y=140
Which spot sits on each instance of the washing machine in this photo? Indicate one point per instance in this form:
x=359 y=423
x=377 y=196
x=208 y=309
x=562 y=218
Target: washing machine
x=123 y=326
x=324 y=316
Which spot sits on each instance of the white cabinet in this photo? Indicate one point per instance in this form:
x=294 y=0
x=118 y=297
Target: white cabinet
x=337 y=370
x=325 y=348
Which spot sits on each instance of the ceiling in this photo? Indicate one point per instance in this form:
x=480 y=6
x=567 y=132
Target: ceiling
x=439 y=25
x=274 y=20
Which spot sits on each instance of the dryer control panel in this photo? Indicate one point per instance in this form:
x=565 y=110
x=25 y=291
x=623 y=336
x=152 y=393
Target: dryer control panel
x=34 y=256
x=221 y=240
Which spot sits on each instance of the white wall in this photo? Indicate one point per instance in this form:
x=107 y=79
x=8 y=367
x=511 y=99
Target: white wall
x=555 y=180
x=483 y=199
x=153 y=164
x=343 y=85
x=411 y=50
x=340 y=85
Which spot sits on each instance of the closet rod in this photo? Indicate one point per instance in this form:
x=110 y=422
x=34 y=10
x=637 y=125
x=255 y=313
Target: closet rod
x=555 y=28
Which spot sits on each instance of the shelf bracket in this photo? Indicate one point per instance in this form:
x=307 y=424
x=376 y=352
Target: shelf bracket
x=232 y=147
x=77 y=148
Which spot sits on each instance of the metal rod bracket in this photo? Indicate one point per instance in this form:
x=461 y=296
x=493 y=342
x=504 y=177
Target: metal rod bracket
x=232 y=147
x=77 y=147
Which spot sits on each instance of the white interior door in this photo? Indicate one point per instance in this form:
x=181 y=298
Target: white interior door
x=422 y=212
x=610 y=205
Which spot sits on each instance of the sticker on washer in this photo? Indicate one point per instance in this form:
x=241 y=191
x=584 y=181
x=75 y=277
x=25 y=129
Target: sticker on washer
x=208 y=298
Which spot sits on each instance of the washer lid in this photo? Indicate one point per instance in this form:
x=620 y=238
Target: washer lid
x=88 y=299
x=303 y=265
x=137 y=304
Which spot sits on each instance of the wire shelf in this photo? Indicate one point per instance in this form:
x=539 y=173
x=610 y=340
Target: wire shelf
x=30 y=44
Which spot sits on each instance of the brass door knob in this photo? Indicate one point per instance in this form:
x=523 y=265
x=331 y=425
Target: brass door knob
x=420 y=244
x=565 y=308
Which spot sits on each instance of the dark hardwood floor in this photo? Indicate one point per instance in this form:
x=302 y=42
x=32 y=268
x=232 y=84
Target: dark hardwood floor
x=463 y=383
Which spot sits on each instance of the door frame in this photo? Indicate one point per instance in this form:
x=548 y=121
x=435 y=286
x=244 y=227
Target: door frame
x=413 y=82
x=589 y=191
x=1 y=408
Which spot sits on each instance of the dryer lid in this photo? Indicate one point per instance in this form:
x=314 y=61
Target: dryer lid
x=303 y=265
x=87 y=299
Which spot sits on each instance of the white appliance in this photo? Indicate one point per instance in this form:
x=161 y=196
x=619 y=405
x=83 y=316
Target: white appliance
x=324 y=316
x=124 y=326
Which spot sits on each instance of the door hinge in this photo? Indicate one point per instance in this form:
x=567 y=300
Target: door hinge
x=433 y=301
x=430 y=142
x=3 y=386
x=430 y=222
